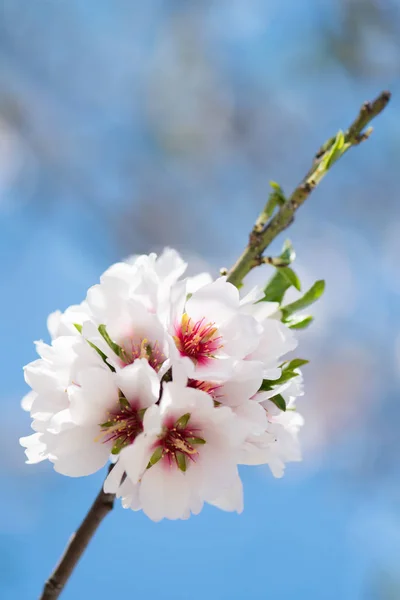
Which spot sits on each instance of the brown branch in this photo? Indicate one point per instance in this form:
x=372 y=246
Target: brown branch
x=265 y=230
x=77 y=545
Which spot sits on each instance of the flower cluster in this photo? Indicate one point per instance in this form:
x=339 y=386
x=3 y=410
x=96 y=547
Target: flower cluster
x=178 y=380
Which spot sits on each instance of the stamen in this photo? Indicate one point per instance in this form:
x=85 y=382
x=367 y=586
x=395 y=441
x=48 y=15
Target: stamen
x=197 y=340
x=122 y=427
x=178 y=444
x=142 y=348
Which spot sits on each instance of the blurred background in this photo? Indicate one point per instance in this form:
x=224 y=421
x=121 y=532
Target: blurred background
x=127 y=126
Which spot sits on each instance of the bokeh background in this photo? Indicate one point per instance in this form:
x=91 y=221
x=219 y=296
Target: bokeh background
x=127 y=126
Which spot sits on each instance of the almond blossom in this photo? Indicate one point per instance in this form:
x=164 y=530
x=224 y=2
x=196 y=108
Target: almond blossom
x=186 y=455
x=174 y=380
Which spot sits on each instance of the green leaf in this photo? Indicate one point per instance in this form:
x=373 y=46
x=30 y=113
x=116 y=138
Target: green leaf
x=300 y=322
x=309 y=297
x=283 y=278
x=277 y=193
x=336 y=151
x=156 y=456
x=295 y=364
x=114 y=347
x=270 y=384
x=181 y=460
x=279 y=401
x=276 y=287
x=291 y=277
x=288 y=254
x=78 y=327
x=183 y=421
x=288 y=372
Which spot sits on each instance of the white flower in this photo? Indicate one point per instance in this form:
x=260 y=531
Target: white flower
x=210 y=332
x=92 y=414
x=136 y=332
x=146 y=278
x=50 y=376
x=186 y=455
x=59 y=323
x=278 y=444
x=163 y=376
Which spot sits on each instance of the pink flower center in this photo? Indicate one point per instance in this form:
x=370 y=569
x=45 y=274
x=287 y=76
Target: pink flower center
x=143 y=349
x=178 y=445
x=123 y=426
x=197 y=340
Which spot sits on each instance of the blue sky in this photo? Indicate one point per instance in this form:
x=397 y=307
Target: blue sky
x=309 y=534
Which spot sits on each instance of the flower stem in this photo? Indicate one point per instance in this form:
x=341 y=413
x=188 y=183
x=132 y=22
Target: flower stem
x=77 y=544
x=261 y=238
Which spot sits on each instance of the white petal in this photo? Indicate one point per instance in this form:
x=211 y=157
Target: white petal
x=28 y=400
x=170 y=264
x=164 y=492
x=253 y=415
x=152 y=419
x=135 y=458
x=216 y=302
x=94 y=394
x=139 y=383
x=77 y=453
x=183 y=399
x=36 y=449
x=241 y=335
x=113 y=479
x=232 y=499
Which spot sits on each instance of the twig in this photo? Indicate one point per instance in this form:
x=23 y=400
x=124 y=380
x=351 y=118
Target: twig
x=77 y=545
x=265 y=231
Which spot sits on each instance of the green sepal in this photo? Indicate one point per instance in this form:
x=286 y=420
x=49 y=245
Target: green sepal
x=101 y=353
x=195 y=440
x=156 y=456
x=181 y=460
x=118 y=446
x=107 y=424
x=183 y=421
x=123 y=402
x=79 y=327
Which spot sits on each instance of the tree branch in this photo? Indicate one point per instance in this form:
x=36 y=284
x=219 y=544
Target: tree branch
x=267 y=228
x=77 y=545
